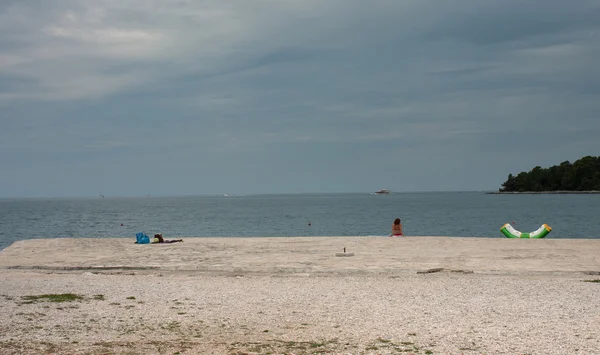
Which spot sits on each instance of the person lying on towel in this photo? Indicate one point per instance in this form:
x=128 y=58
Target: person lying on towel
x=158 y=238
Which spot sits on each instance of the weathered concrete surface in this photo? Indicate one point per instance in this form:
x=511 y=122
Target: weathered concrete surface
x=310 y=255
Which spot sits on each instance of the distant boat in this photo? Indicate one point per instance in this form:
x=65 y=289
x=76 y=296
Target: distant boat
x=101 y=196
x=383 y=192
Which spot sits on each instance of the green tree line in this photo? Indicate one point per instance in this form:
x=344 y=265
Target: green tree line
x=582 y=175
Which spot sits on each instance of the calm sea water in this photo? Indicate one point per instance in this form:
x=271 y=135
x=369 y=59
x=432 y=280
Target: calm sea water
x=434 y=214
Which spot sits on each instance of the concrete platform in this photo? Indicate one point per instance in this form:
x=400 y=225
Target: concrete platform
x=310 y=255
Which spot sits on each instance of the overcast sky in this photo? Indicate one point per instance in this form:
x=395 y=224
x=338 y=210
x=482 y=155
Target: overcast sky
x=183 y=97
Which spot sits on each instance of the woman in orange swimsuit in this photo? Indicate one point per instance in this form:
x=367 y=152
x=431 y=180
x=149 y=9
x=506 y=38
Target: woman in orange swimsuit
x=397 y=228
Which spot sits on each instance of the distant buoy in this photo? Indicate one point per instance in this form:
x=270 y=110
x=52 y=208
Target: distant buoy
x=121 y=224
x=309 y=224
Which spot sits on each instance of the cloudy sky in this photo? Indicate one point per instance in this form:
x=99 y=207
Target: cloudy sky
x=186 y=97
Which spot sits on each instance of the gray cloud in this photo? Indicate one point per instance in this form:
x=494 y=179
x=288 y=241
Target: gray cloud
x=427 y=84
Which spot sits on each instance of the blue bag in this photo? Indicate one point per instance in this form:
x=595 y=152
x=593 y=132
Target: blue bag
x=142 y=238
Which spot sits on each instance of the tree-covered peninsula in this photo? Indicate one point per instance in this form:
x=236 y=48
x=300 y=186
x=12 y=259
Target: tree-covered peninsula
x=582 y=175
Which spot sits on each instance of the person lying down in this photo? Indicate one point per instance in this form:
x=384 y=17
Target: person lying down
x=158 y=238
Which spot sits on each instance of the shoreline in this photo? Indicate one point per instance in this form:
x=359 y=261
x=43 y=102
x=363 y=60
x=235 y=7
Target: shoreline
x=415 y=295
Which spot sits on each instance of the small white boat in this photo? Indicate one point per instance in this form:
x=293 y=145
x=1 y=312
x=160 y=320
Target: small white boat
x=383 y=192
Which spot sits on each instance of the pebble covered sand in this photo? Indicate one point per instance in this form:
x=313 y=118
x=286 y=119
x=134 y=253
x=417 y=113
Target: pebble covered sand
x=294 y=296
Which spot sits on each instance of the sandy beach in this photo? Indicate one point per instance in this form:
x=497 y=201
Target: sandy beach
x=301 y=295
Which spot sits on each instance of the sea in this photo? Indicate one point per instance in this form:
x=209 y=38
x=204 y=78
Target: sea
x=454 y=214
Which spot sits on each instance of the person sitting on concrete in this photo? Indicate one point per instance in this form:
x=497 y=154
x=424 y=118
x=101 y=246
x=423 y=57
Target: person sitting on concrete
x=397 y=228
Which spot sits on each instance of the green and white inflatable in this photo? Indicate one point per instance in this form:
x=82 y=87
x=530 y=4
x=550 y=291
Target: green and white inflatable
x=510 y=232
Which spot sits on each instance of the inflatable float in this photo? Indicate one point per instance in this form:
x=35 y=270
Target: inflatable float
x=510 y=232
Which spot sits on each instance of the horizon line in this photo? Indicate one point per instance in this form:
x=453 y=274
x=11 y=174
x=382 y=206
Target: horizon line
x=232 y=194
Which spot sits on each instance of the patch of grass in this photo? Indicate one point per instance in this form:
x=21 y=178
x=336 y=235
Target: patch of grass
x=180 y=313
x=595 y=280
x=428 y=352
x=62 y=297
x=130 y=298
x=412 y=334
x=401 y=347
x=114 y=304
x=98 y=297
x=258 y=348
x=173 y=326
x=266 y=331
x=284 y=347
